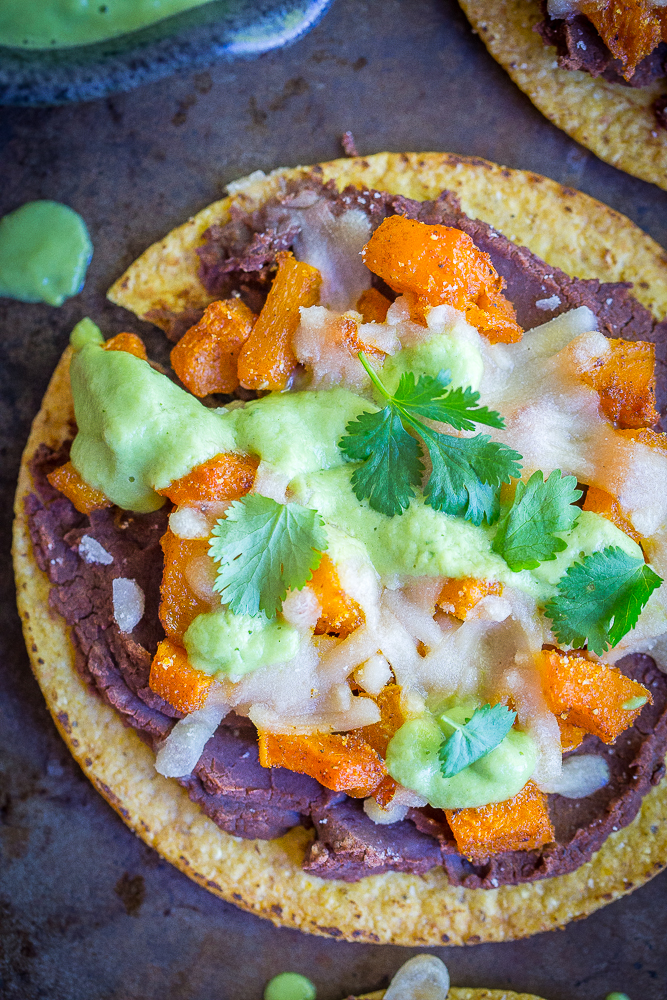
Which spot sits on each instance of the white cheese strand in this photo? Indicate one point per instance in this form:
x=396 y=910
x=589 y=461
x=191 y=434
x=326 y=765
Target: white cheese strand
x=128 y=603
x=581 y=776
x=423 y=977
x=180 y=752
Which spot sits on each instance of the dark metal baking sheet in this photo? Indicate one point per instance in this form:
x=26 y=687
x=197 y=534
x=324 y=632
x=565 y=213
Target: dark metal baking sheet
x=87 y=912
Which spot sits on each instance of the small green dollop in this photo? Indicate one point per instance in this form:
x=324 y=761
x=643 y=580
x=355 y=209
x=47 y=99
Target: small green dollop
x=412 y=760
x=289 y=986
x=617 y=996
x=224 y=644
x=45 y=251
x=85 y=332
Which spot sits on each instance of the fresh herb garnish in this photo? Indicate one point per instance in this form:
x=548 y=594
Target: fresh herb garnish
x=481 y=734
x=466 y=472
x=526 y=533
x=263 y=548
x=600 y=599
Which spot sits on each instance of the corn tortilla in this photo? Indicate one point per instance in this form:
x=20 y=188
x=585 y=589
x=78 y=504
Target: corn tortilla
x=617 y=123
x=464 y=993
x=265 y=877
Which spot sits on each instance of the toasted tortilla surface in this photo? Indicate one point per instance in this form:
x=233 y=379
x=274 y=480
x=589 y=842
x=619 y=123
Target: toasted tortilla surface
x=617 y=123
x=567 y=229
x=464 y=993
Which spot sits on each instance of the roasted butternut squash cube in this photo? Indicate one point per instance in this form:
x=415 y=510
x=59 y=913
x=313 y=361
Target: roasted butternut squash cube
x=521 y=823
x=206 y=357
x=459 y=597
x=341 y=614
x=176 y=680
x=391 y=719
x=128 y=342
x=436 y=265
x=342 y=762
x=223 y=477
x=267 y=358
x=385 y=792
x=85 y=498
x=179 y=604
x=570 y=736
x=373 y=306
x=631 y=29
x=624 y=377
x=600 y=502
x=591 y=695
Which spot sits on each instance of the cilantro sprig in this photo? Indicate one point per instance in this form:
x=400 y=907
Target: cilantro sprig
x=466 y=472
x=263 y=548
x=482 y=733
x=526 y=532
x=600 y=599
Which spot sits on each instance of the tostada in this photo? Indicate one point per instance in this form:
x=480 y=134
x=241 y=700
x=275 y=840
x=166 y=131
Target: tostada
x=596 y=68
x=361 y=625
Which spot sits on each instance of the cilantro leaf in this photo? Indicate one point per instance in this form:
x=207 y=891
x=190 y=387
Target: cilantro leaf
x=426 y=398
x=486 y=730
x=466 y=472
x=526 y=534
x=262 y=549
x=392 y=460
x=600 y=599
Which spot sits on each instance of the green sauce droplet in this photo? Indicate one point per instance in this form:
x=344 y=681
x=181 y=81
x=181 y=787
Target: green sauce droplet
x=45 y=250
x=85 y=332
x=290 y=986
x=617 y=996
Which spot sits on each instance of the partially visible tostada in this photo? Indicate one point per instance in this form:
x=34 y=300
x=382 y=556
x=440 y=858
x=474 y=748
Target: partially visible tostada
x=596 y=68
x=408 y=552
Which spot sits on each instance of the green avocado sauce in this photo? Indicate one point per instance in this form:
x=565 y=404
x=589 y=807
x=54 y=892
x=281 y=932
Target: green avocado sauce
x=412 y=760
x=45 y=251
x=138 y=431
x=289 y=986
x=52 y=24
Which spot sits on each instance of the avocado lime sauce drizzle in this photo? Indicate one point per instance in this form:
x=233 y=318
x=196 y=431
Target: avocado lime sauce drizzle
x=45 y=251
x=52 y=24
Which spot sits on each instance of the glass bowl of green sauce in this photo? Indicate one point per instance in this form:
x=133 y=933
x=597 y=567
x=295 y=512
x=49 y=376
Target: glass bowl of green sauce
x=55 y=52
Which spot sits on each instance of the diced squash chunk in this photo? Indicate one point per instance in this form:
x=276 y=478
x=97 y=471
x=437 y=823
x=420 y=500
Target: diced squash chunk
x=591 y=695
x=391 y=719
x=85 y=498
x=176 y=680
x=128 y=342
x=518 y=824
x=267 y=358
x=631 y=29
x=206 y=357
x=625 y=379
x=385 y=792
x=223 y=477
x=652 y=439
x=600 y=502
x=458 y=597
x=373 y=306
x=433 y=265
x=341 y=762
x=179 y=605
x=570 y=736
x=341 y=614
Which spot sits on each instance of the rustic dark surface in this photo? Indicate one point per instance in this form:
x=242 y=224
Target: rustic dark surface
x=87 y=912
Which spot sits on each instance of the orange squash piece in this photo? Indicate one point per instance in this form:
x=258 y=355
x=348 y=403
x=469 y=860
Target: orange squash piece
x=179 y=605
x=391 y=719
x=631 y=29
x=518 y=824
x=341 y=614
x=176 y=680
x=652 y=439
x=373 y=306
x=570 y=736
x=591 y=695
x=206 y=357
x=433 y=265
x=128 y=342
x=458 y=597
x=385 y=792
x=341 y=762
x=625 y=379
x=600 y=502
x=223 y=477
x=267 y=359
x=85 y=498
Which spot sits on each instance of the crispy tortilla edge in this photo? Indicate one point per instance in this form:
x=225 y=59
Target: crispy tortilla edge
x=265 y=877
x=615 y=122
